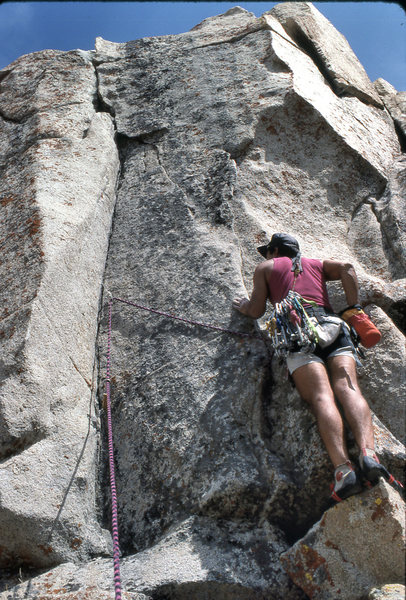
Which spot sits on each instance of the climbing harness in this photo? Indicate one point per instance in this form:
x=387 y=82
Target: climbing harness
x=294 y=328
x=290 y=327
x=113 y=489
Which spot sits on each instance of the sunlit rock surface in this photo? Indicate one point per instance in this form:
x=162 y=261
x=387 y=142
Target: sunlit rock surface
x=150 y=171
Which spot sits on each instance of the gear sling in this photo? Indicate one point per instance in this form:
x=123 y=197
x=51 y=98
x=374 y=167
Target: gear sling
x=292 y=329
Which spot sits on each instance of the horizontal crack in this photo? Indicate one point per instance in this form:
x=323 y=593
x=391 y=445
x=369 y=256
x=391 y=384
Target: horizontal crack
x=237 y=38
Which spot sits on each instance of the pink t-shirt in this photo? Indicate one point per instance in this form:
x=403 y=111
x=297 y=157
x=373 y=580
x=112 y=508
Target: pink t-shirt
x=311 y=283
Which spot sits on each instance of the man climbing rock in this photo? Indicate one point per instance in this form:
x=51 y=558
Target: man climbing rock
x=324 y=370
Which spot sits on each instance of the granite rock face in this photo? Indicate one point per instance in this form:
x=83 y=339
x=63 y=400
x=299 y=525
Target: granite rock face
x=355 y=543
x=394 y=591
x=395 y=103
x=59 y=173
x=149 y=172
x=328 y=48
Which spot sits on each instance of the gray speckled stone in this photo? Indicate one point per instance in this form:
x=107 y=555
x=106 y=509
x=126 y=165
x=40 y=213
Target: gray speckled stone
x=390 y=591
x=331 y=52
x=358 y=544
x=224 y=135
x=57 y=197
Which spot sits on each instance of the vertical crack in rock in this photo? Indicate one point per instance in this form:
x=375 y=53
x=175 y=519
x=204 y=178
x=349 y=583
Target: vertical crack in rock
x=305 y=44
x=61 y=172
x=395 y=105
x=100 y=105
x=391 y=215
x=378 y=221
x=160 y=166
x=400 y=130
x=397 y=312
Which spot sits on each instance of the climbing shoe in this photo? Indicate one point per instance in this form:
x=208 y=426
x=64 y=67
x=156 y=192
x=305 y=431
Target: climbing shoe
x=346 y=482
x=372 y=470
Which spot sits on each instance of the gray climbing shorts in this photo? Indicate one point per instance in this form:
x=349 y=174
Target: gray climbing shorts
x=295 y=360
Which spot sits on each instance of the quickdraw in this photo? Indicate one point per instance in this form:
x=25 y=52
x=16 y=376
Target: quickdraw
x=290 y=327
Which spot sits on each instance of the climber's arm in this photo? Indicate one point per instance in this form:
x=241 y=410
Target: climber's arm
x=335 y=270
x=255 y=306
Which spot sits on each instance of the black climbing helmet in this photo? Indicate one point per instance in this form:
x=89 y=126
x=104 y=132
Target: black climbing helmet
x=281 y=240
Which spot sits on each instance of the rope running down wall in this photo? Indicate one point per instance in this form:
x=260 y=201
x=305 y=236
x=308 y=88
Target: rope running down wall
x=114 y=505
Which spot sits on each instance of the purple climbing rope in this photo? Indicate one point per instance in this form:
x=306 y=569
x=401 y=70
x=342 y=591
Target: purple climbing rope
x=116 y=547
x=189 y=321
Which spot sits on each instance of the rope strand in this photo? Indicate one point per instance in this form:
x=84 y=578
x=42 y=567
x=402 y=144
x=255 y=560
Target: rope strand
x=114 y=511
x=116 y=547
x=189 y=321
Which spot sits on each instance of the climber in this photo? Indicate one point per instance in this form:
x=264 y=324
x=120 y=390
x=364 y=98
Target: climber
x=324 y=373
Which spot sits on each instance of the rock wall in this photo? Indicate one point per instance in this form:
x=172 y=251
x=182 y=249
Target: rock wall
x=59 y=172
x=150 y=171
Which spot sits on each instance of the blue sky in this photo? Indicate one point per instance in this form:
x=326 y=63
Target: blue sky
x=376 y=31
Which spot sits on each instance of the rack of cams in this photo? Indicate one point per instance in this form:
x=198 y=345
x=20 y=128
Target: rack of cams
x=290 y=327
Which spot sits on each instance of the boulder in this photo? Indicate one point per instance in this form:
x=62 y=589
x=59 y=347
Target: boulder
x=67 y=582
x=199 y=558
x=356 y=545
